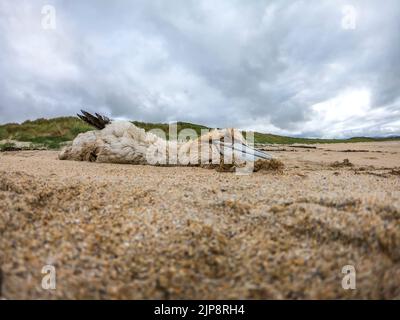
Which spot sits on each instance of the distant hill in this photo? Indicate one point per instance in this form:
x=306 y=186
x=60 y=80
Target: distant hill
x=52 y=133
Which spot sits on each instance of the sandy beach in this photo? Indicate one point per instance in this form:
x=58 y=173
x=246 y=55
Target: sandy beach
x=140 y=232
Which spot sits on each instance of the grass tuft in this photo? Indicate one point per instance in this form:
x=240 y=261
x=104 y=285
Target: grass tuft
x=8 y=147
x=344 y=163
x=273 y=165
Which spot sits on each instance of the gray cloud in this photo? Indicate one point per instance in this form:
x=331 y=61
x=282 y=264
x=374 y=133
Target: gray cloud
x=283 y=67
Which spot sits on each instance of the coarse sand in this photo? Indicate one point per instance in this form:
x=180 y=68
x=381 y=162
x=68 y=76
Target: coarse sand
x=141 y=232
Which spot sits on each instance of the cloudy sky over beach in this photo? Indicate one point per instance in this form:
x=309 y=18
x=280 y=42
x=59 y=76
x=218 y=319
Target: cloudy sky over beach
x=310 y=68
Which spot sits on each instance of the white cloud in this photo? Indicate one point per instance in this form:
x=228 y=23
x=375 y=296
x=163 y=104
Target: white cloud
x=340 y=113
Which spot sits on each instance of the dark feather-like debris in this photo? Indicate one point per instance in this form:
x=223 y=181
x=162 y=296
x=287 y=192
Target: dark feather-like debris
x=98 y=121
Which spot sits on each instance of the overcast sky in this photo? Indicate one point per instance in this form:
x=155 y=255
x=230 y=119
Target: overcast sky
x=311 y=68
